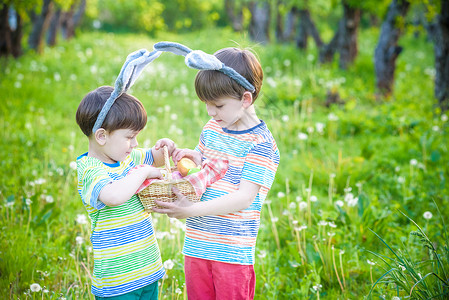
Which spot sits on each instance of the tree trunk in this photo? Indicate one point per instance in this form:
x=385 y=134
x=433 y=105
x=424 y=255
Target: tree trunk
x=290 y=24
x=53 y=28
x=311 y=30
x=260 y=22
x=67 y=25
x=72 y=18
x=279 y=31
x=235 y=18
x=327 y=51
x=10 y=32
x=387 y=49
x=78 y=16
x=301 y=39
x=348 y=35
x=5 y=32
x=40 y=24
x=16 y=35
x=440 y=34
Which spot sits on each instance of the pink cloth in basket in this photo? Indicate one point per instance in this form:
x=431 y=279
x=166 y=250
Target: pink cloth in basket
x=212 y=170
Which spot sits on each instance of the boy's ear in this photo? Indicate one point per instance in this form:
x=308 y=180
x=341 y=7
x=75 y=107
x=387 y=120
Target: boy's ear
x=247 y=99
x=100 y=136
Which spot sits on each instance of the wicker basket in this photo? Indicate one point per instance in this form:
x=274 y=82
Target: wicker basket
x=162 y=190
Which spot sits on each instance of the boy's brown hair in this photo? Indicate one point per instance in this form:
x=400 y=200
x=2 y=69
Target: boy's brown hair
x=127 y=112
x=211 y=85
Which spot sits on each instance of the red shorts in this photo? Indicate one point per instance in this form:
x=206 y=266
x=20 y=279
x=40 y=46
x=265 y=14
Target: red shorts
x=208 y=279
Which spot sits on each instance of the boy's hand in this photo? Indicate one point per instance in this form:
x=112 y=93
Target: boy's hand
x=180 y=209
x=165 y=142
x=153 y=173
x=158 y=152
x=192 y=154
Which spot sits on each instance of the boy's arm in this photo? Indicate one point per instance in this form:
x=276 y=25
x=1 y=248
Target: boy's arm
x=120 y=191
x=233 y=202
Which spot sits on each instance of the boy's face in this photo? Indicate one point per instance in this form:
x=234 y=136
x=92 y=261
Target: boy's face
x=227 y=112
x=119 y=144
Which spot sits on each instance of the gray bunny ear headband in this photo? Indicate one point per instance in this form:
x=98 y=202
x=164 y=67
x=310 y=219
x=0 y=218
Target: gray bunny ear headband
x=137 y=61
x=133 y=66
x=197 y=59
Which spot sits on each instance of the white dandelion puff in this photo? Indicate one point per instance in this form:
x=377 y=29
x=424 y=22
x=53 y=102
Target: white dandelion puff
x=427 y=215
x=35 y=287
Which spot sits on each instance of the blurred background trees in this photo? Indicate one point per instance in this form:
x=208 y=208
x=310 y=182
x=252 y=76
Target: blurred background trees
x=333 y=25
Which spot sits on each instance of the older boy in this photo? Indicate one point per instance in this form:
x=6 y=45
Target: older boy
x=221 y=230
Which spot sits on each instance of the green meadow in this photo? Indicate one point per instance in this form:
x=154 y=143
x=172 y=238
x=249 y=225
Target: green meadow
x=359 y=197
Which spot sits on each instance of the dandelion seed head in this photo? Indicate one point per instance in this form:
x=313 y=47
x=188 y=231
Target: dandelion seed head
x=302 y=205
x=72 y=165
x=313 y=199
x=49 y=199
x=81 y=219
x=413 y=162
x=262 y=254
x=302 y=136
x=427 y=215
x=444 y=117
x=370 y=262
x=169 y=264
x=79 y=240
x=322 y=223
x=35 y=287
x=319 y=127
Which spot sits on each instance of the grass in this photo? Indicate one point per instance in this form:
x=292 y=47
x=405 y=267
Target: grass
x=345 y=169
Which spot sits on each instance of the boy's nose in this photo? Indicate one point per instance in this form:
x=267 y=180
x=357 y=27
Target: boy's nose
x=210 y=110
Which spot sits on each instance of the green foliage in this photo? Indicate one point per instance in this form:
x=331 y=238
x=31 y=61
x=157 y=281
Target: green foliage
x=423 y=278
x=184 y=15
x=131 y=15
x=153 y=15
x=344 y=167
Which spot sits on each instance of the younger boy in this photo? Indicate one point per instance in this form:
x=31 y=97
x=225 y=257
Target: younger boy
x=127 y=261
x=221 y=229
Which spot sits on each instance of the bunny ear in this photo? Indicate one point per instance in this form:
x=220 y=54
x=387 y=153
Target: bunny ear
x=131 y=69
x=172 y=47
x=197 y=59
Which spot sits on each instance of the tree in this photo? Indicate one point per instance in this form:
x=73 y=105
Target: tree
x=10 y=31
x=40 y=21
x=235 y=14
x=345 y=38
x=387 y=49
x=259 y=27
x=439 y=32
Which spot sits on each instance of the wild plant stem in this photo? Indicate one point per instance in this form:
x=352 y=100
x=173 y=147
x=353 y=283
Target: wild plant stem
x=336 y=271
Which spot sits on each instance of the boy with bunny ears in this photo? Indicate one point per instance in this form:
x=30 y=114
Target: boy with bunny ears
x=221 y=229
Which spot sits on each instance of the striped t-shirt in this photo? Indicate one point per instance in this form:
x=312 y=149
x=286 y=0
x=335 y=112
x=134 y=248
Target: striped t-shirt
x=253 y=156
x=126 y=253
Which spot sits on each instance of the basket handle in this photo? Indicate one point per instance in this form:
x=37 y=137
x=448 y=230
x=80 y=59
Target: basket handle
x=167 y=163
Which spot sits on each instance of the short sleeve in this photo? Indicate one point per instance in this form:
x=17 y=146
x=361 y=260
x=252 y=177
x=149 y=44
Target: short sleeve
x=142 y=156
x=200 y=146
x=91 y=180
x=261 y=164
